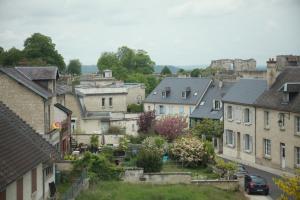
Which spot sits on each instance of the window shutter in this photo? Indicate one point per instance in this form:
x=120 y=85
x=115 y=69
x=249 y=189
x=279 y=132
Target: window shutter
x=33 y=180
x=214 y=104
x=251 y=117
x=250 y=142
x=233 y=139
x=244 y=142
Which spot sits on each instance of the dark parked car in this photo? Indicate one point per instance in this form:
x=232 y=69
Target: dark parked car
x=256 y=184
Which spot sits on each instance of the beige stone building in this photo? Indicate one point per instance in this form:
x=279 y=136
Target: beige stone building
x=33 y=93
x=239 y=119
x=278 y=120
x=176 y=96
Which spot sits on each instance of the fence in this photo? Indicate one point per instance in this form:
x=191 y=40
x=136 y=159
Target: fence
x=76 y=187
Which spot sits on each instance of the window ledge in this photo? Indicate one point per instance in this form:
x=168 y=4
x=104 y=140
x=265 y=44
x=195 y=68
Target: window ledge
x=297 y=134
x=230 y=145
x=268 y=157
x=248 y=151
x=282 y=128
x=267 y=128
x=238 y=122
x=230 y=120
x=247 y=123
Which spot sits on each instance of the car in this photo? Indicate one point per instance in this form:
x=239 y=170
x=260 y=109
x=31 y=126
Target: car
x=256 y=184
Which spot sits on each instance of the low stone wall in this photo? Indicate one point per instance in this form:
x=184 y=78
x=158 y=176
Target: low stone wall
x=64 y=165
x=167 y=177
x=133 y=175
x=230 y=185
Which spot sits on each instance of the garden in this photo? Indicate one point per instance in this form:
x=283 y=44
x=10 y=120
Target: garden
x=163 y=145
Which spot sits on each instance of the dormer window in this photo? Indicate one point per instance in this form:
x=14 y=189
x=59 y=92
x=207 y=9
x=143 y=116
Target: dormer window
x=216 y=104
x=163 y=94
x=183 y=95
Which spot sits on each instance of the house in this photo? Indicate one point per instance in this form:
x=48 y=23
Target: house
x=278 y=121
x=211 y=107
x=96 y=108
x=27 y=170
x=33 y=93
x=176 y=96
x=239 y=118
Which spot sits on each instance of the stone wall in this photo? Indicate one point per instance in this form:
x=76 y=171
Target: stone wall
x=234 y=64
x=64 y=165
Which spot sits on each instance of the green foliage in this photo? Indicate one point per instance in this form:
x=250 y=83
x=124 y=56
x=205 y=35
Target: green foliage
x=148 y=80
x=70 y=157
x=98 y=167
x=135 y=108
x=12 y=57
x=115 y=130
x=155 y=143
x=225 y=169
x=208 y=127
x=290 y=186
x=123 y=143
x=74 y=67
x=207 y=72
x=150 y=161
x=166 y=71
x=137 y=139
x=94 y=141
x=195 y=72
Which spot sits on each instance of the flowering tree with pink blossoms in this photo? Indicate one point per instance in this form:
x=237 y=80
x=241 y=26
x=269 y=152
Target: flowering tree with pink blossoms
x=171 y=127
x=146 y=121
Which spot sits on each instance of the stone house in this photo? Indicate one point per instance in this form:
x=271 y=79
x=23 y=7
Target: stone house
x=211 y=107
x=33 y=93
x=27 y=169
x=97 y=108
x=177 y=96
x=239 y=118
x=278 y=121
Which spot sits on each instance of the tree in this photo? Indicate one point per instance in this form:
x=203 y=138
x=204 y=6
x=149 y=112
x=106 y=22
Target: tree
x=39 y=46
x=195 y=72
x=171 y=127
x=143 y=62
x=135 y=108
x=181 y=71
x=165 y=71
x=209 y=128
x=148 y=80
x=12 y=57
x=94 y=141
x=107 y=60
x=290 y=186
x=146 y=121
x=74 y=67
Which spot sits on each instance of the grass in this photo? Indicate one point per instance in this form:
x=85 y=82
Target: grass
x=126 y=191
x=197 y=173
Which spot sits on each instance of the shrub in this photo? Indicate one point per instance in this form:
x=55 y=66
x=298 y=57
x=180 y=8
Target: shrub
x=210 y=152
x=94 y=141
x=146 y=121
x=115 y=130
x=155 y=143
x=171 y=127
x=135 y=108
x=150 y=161
x=190 y=151
x=225 y=169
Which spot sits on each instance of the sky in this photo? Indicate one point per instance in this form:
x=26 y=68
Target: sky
x=173 y=32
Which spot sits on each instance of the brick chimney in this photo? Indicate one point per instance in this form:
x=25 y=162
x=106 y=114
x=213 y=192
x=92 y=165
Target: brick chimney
x=271 y=72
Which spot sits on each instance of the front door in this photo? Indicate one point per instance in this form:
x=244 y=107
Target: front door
x=282 y=155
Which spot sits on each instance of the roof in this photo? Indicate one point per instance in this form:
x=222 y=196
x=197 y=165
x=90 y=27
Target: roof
x=245 y=91
x=39 y=73
x=214 y=92
x=21 y=149
x=63 y=89
x=272 y=98
x=197 y=86
x=24 y=80
x=63 y=108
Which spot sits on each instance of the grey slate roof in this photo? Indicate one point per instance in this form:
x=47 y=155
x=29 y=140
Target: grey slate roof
x=245 y=91
x=63 y=108
x=39 y=73
x=177 y=86
x=214 y=92
x=21 y=149
x=272 y=98
x=22 y=79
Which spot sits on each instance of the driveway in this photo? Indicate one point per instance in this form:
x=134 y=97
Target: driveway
x=274 y=191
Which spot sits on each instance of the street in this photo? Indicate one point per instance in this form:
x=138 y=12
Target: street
x=274 y=191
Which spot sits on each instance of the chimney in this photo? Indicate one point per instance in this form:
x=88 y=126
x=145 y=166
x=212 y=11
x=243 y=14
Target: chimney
x=271 y=72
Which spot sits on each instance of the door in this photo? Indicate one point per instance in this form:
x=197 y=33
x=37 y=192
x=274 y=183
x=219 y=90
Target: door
x=282 y=155
x=238 y=143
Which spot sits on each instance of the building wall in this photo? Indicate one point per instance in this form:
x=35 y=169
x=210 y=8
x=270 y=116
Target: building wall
x=276 y=135
x=135 y=95
x=72 y=104
x=94 y=103
x=237 y=125
x=23 y=101
x=170 y=109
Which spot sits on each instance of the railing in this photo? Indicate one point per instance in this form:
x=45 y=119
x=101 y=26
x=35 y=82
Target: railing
x=76 y=187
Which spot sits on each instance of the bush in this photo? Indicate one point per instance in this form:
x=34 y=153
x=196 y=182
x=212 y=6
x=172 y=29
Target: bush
x=150 y=161
x=146 y=121
x=115 y=130
x=155 y=143
x=190 y=151
x=94 y=141
x=225 y=169
x=135 y=108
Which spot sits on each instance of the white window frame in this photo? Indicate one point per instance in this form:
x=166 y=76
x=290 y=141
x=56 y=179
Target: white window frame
x=217 y=104
x=297 y=125
x=110 y=102
x=267 y=148
x=297 y=157
x=267 y=119
x=163 y=94
x=247 y=116
x=183 y=94
x=231 y=113
x=161 y=109
x=247 y=143
x=282 y=119
x=230 y=140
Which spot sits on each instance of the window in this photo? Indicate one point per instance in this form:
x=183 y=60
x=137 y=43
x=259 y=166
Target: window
x=161 y=110
x=149 y=108
x=267 y=147
x=297 y=125
x=103 y=102
x=132 y=127
x=183 y=94
x=281 y=121
x=181 y=110
x=229 y=112
x=297 y=156
x=73 y=125
x=110 y=101
x=216 y=105
x=246 y=115
x=20 y=189
x=33 y=180
x=163 y=94
x=49 y=171
x=266 y=119
x=229 y=138
x=247 y=142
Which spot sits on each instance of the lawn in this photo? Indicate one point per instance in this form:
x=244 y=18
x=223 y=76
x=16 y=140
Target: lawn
x=197 y=173
x=126 y=191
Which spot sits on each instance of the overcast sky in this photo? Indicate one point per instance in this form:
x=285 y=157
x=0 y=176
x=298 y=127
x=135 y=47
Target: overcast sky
x=178 y=32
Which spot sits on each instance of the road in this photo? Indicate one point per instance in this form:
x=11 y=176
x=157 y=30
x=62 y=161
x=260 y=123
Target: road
x=274 y=191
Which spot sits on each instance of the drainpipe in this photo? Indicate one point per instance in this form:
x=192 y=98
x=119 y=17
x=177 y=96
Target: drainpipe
x=43 y=182
x=255 y=135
